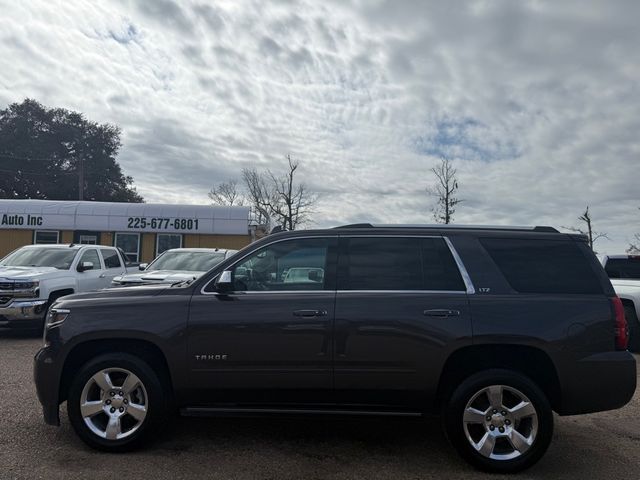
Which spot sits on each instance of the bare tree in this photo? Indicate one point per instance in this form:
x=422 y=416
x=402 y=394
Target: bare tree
x=259 y=196
x=444 y=189
x=226 y=193
x=591 y=234
x=634 y=246
x=280 y=197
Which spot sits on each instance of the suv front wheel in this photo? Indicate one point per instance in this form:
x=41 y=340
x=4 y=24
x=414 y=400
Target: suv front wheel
x=499 y=421
x=115 y=402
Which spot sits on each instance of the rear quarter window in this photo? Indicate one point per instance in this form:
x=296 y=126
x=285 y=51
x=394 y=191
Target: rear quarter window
x=543 y=266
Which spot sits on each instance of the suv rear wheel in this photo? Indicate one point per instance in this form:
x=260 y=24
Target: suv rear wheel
x=115 y=402
x=499 y=421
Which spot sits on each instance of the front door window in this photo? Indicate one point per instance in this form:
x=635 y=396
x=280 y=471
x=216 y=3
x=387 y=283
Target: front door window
x=298 y=264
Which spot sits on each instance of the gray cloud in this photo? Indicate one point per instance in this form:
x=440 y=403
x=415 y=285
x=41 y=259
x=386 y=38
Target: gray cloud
x=166 y=13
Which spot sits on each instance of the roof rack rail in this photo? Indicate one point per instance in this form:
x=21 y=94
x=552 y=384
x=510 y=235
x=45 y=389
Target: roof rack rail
x=542 y=228
x=355 y=225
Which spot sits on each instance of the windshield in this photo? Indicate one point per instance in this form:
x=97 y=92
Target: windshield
x=60 y=258
x=623 y=267
x=189 y=261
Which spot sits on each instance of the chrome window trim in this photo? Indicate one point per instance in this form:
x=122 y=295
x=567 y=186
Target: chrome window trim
x=280 y=292
x=442 y=292
x=461 y=268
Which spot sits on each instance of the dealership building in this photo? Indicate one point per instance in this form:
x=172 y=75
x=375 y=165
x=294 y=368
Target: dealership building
x=141 y=230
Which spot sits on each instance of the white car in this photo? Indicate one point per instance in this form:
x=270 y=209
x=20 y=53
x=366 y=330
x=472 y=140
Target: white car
x=624 y=273
x=32 y=277
x=175 y=265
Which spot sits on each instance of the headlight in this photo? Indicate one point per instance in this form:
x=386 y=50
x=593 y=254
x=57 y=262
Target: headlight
x=56 y=316
x=26 y=289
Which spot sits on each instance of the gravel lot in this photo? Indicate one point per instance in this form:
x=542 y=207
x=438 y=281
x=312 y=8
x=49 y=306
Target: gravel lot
x=600 y=446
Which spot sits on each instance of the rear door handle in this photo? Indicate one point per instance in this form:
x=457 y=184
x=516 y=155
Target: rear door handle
x=310 y=313
x=441 y=312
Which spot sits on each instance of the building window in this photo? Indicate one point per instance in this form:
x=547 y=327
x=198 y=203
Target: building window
x=129 y=243
x=45 y=236
x=166 y=241
x=88 y=239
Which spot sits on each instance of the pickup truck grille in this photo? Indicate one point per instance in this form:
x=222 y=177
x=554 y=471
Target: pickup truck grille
x=4 y=299
x=6 y=285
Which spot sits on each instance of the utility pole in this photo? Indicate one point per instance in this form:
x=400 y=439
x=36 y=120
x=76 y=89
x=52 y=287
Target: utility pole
x=80 y=178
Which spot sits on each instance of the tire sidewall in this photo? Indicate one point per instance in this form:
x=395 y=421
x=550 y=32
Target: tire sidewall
x=156 y=401
x=454 y=426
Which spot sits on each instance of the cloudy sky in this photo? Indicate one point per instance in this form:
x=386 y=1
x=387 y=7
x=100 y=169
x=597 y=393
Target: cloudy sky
x=537 y=103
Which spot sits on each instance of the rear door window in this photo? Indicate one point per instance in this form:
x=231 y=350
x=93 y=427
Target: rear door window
x=111 y=258
x=397 y=263
x=543 y=266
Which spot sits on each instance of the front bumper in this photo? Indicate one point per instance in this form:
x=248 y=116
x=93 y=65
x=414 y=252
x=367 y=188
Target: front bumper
x=23 y=314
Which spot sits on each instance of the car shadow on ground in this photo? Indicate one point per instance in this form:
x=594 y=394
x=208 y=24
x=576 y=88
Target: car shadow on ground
x=337 y=447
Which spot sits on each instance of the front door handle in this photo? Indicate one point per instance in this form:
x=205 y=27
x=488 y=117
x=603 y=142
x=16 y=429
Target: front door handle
x=310 y=313
x=103 y=275
x=441 y=312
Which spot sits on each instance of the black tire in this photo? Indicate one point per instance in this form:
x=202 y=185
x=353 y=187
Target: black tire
x=634 y=327
x=157 y=402
x=455 y=427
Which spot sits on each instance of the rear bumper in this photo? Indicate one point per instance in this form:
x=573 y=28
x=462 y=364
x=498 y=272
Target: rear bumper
x=604 y=381
x=23 y=314
x=47 y=380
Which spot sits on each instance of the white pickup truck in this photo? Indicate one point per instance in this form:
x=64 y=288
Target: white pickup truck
x=32 y=277
x=624 y=273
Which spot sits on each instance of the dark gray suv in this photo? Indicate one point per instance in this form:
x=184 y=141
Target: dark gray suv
x=495 y=328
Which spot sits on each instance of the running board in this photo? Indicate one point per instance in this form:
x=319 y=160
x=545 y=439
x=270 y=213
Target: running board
x=239 y=411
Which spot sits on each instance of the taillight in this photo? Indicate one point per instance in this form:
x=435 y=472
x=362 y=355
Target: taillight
x=621 y=328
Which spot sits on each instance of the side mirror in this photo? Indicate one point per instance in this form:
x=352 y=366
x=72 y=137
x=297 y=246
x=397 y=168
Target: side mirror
x=224 y=283
x=84 y=266
x=143 y=266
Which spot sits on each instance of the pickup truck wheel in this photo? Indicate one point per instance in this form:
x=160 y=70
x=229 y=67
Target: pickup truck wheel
x=499 y=421
x=115 y=402
x=634 y=327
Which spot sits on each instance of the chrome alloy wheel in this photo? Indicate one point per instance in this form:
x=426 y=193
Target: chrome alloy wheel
x=500 y=422
x=114 y=403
